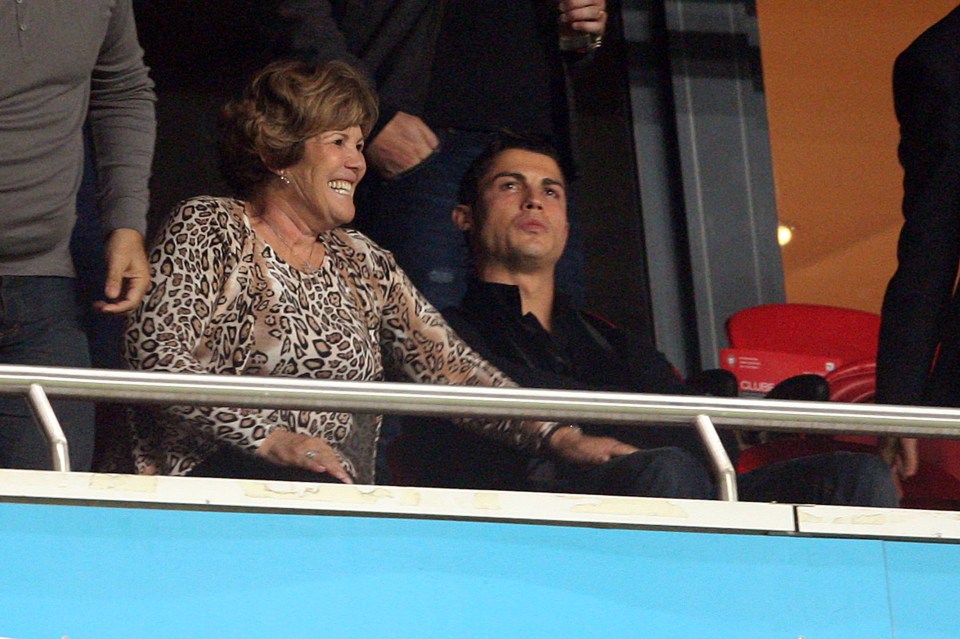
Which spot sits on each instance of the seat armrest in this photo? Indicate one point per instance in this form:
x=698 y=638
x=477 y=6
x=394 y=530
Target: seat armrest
x=716 y=382
x=807 y=387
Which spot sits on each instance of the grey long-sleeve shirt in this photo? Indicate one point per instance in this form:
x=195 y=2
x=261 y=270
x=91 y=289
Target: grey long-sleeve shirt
x=62 y=61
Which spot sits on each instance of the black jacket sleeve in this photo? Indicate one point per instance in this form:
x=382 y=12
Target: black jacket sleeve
x=391 y=40
x=918 y=298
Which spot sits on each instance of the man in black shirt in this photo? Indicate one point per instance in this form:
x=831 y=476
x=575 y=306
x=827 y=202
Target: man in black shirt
x=513 y=210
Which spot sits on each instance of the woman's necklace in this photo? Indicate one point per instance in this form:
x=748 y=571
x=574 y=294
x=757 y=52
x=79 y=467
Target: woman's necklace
x=308 y=266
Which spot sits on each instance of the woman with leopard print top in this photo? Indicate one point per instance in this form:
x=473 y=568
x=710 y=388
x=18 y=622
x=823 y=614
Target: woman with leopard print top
x=272 y=284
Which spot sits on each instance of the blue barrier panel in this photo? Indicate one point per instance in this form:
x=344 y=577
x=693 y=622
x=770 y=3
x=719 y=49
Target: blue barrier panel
x=924 y=589
x=87 y=572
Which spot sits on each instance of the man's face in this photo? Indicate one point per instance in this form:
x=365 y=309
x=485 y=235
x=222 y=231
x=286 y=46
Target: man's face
x=520 y=219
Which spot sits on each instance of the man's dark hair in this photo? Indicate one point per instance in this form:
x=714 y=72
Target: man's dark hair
x=469 y=190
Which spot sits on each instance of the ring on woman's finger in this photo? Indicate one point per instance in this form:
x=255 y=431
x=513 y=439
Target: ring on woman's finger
x=310 y=454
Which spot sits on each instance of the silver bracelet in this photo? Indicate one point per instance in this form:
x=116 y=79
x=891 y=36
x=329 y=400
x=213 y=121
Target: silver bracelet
x=548 y=430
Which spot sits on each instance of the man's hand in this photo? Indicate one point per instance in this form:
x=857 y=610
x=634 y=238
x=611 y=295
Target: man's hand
x=296 y=449
x=589 y=16
x=573 y=446
x=403 y=143
x=128 y=274
x=902 y=455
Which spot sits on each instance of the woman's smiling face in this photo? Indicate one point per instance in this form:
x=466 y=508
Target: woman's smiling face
x=322 y=183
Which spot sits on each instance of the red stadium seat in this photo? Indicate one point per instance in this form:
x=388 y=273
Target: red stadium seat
x=806 y=329
x=850 y=337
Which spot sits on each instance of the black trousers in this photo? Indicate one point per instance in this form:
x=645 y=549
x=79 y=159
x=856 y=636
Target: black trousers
x=839 y=478
x=657 y=472
x=231 y=463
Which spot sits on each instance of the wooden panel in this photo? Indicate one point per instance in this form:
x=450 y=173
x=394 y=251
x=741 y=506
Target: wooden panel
x=827 y=72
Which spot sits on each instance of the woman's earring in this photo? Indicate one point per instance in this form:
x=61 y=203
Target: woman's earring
x=283 y=178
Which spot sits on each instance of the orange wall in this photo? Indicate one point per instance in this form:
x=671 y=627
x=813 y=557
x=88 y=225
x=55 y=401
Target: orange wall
x=827 y=72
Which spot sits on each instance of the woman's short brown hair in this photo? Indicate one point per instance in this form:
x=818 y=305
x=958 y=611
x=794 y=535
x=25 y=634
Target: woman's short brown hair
x=285 y=104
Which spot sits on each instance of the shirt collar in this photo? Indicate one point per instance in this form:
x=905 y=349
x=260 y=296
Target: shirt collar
x=482 y=296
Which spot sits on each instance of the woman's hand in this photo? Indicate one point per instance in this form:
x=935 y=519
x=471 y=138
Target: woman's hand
x=571 y=445
x=296 y=449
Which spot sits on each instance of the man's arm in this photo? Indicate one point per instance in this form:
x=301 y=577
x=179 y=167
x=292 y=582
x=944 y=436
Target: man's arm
x=122 y=122
x=310 y=30
x=926 y=99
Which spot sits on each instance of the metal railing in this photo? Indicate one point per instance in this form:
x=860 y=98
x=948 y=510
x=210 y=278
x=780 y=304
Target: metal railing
x=39 y=383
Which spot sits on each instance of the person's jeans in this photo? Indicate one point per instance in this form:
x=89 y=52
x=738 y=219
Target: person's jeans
x=39 y=326
x=840 y=478
x=658 y=472
x=411 y=215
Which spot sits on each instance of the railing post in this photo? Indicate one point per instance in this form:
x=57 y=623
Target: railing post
x=50 y=427
x=722 y=466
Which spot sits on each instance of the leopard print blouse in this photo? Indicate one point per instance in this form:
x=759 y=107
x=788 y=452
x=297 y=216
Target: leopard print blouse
x=222 y=301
